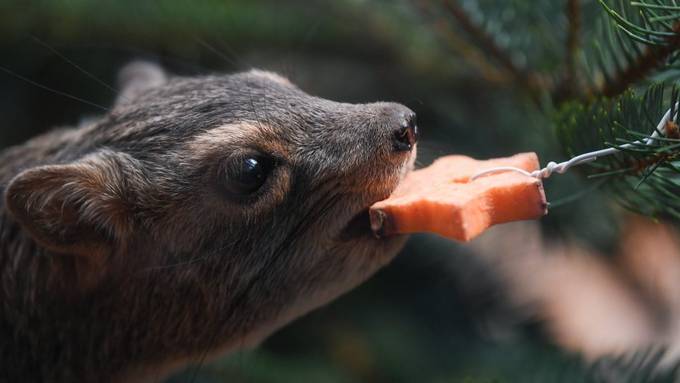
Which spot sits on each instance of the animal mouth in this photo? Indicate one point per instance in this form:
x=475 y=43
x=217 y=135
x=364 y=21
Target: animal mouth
x=359 y=226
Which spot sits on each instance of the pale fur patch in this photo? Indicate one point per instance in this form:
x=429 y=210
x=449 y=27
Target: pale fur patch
x=226 y=135
x=271 y=76
x=227 y=139
x=235 y=137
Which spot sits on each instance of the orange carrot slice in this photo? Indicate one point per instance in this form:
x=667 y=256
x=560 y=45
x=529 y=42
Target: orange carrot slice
x=441 y=198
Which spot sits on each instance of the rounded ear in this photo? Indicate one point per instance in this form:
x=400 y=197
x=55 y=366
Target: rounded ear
x=138 y=77
x=78 y=208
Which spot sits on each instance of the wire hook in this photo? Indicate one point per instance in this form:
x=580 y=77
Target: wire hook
x=562 y=167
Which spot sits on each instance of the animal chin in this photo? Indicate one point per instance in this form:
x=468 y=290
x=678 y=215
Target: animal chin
x=359 y=226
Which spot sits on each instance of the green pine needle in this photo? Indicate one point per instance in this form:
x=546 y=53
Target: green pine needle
x=645 y=177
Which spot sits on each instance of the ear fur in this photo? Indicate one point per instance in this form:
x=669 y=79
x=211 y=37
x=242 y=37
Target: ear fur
x=79 y=208
x=138 y=77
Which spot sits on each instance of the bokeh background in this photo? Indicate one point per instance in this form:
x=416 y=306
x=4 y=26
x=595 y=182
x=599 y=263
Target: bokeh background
x=438 y=312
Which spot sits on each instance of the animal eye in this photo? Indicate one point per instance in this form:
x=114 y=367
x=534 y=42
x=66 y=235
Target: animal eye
x=245 y=175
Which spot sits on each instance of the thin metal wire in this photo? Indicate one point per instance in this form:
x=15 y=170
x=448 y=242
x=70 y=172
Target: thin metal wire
x=562 y=167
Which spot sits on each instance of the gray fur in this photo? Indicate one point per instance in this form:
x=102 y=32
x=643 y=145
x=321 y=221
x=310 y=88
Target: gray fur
x=121 y=260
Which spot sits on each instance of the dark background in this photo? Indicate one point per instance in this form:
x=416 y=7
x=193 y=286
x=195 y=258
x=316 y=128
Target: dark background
x=437 y=314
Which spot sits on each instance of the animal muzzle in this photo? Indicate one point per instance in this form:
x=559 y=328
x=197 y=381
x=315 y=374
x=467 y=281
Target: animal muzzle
x=405 y=137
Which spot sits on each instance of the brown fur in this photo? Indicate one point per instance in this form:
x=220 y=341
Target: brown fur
x=121 y=256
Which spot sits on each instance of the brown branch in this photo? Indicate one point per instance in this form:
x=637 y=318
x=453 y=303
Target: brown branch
x=468 y=52
x=486 y=43
x=573 y=38
x=651 y=59
x=571 y=82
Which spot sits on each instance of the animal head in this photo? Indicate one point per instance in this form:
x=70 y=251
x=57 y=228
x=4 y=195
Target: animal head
x=221 y=206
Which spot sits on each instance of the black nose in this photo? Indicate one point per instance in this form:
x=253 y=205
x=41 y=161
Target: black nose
x=406 y=136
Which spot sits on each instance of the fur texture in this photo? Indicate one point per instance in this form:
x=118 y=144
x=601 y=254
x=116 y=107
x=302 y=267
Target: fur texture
x=122 y=259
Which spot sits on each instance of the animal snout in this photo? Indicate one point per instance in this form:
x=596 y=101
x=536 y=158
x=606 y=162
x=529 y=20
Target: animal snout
x=406 y=135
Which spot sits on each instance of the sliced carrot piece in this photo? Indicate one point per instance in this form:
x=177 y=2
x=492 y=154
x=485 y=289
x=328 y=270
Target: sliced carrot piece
x=441 y=198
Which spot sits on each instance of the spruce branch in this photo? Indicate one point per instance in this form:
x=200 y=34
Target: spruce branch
x=570 y=85
x=529 y=81
x=644 y=177
x=651 y=59
x=660 y=37
x=470 y=53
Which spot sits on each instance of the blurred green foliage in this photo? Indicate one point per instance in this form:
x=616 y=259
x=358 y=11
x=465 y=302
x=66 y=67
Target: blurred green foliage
x=428 y=317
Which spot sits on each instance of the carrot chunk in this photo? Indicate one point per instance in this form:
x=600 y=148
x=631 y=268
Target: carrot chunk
x=442 y=199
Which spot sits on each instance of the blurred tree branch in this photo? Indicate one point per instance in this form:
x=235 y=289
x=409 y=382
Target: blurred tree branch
x=470 y=53
x=570 y=84
x=502 y=68
x=528 y=80
x=653 y=57
x=638 y=39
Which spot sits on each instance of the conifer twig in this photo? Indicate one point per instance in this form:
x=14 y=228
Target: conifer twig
x=487 y=44
x=651 y=58
x=571 y=82
x=468 y=52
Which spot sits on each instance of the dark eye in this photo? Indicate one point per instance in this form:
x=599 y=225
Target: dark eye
x=245 y=175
